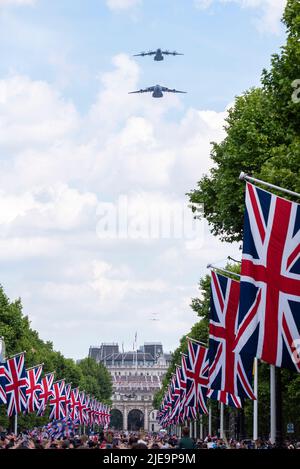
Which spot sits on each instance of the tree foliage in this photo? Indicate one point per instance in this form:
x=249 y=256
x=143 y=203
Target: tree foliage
x=19 y=336
x=262 y=139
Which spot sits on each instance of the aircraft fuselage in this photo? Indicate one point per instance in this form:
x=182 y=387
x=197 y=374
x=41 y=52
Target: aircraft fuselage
x=157 y=93
x=158 y=56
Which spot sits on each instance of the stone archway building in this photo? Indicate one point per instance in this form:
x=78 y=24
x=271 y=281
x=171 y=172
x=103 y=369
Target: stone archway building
x=136 y=377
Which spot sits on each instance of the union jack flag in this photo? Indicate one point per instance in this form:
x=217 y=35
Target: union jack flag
x=229 y=372
x=269 y=314
x=196 y=377
x=182 y=384
x=15 y=384
x=46 y=392
x=81 y=408
x=57 y=401
x=34 y=388
x=74 y=404
x=176 y=396
x=67 y=401
x=226 y=398
x=2 y=385
x=87 y=413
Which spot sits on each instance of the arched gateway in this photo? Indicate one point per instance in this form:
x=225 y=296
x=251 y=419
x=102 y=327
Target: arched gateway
x=136 y=376
x=135 y=420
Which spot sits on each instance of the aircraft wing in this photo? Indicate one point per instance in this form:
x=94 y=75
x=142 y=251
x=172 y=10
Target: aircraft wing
x=142 y=54
x=167 y=52
x=168 y=90
x=145 y=90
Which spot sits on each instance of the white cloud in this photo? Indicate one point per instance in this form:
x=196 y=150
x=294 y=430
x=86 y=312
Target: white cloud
x=33 y=112
x=59 y=168
x=16 y=249
x=269 y=11
x=120 y=5
x=17 y=2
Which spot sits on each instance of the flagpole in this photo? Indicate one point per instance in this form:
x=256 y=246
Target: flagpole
x=16 y=425
x=234 y=260
x=255 y=403
x=201 y=427
x=196 y=341
x=243 y=176
x=15 y=355
x=212 y=267
x=222 y=420
x=272 y=404
x=35 y=366
x=209 y=420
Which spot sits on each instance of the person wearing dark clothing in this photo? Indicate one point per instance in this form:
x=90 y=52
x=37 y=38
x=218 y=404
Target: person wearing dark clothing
x=186 y=442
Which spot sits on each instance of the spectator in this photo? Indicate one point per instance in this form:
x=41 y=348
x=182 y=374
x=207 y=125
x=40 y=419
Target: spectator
x=186 y=442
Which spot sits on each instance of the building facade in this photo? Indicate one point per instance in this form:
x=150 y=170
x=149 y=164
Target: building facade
x=136 y=376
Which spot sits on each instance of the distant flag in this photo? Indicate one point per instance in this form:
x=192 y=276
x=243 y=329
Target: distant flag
x=46 y=392
x=229 y=372
x=15 y=384
x=74 y=403
x=81 y=408
x=2 y=385
x=269 y=314
x=67 y=400
x=34 y=388
x=197 y=377
x=57 y=401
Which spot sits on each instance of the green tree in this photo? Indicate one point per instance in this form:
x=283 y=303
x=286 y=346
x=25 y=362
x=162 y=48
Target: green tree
x=262 y=139
x=19 y=337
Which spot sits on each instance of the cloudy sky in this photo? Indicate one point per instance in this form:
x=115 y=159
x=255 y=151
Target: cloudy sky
x=96 y=236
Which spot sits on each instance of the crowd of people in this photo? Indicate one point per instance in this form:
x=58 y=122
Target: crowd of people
x=110 y=439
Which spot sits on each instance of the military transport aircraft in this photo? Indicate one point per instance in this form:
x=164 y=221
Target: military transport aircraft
x=158 y=54
x=157 y=91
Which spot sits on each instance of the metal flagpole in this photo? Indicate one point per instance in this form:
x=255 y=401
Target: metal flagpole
x=16 y=425
x=255 y=403
x=201 y=427
x=210 y=266
x=196 y=341
x=244 y=176
x=272 y=404
x=195 y=428
x=15 y=355
x=209 y=421
x=222 y=420
x=35 y=366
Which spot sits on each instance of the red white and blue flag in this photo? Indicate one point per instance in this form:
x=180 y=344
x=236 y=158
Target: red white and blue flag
x=34 y=388
x=2 y=385
x=15 y=384
x=269 y=314
x=57 y=401
x=229 y=372
x=81 y=408
x=197 y=377
x=46 y=392
x=67 y=401
x=225 y=398
x=74 y=404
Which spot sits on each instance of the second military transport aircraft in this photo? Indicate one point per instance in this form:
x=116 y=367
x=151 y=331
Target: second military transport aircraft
x=158 y=54
x=157 y=91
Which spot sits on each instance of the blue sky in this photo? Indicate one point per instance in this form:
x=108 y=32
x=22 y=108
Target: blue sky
x=72 y=142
